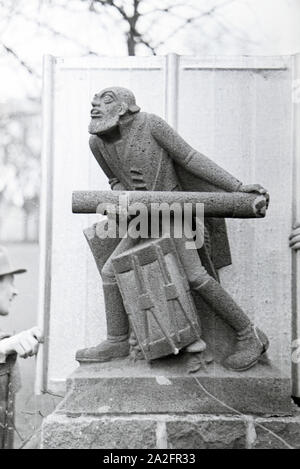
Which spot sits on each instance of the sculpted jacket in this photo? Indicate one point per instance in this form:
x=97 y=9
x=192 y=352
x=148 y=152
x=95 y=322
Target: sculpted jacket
x=150 y=155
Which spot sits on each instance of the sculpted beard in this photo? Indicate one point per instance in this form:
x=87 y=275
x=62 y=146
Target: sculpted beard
x=99 y=125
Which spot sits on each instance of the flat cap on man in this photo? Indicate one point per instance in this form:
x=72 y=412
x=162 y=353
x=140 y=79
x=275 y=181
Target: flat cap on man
x=5 y=267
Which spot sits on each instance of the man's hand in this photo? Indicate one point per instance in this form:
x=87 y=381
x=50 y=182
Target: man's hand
x=37 y=333
x=256 y=189
x=25 y=344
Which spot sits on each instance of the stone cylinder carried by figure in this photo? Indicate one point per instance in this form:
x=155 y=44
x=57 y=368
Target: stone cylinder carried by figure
x=216 y=204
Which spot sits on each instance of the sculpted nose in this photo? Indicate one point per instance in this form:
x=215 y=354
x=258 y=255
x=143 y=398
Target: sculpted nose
x=96 y=102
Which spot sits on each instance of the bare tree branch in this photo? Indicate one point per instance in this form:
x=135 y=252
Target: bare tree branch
x=9 y=17
x=169 y=9
x=101 y=17
x=132 y=17
x=134 y=37
x=10 y=51
x=233 y=30
x=130 y=20
x=53 y=31
x=147 y=44
x=112 y=4
x=193 y=19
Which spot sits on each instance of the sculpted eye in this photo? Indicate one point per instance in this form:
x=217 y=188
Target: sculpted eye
x=107 y=99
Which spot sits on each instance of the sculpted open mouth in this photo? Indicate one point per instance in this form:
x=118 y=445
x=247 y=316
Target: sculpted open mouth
x=96 y=113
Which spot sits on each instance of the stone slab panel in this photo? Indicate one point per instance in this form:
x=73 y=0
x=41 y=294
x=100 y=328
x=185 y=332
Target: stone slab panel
x=62 y=432
x=207 y=433
x=285 y=433
x=169 y=431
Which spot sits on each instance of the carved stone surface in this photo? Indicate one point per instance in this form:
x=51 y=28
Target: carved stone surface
x=87 y=432
x=286 y=428
x=201 y=433
x=165 y=407
x=170 y=432
x=141 y=152
x=157 y=298
x=263 y=390
x=167 y=387
x=216 y=204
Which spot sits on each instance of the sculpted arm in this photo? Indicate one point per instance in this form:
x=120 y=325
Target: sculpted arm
x=114 y=182
x=197 y=163
x=192 y=160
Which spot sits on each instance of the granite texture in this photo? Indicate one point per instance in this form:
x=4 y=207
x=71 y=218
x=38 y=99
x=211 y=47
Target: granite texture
x=287 y=428
x=217 y=204
x=209 y=433
x=212 y=408
x=62 y=432
x=142 y=154
x=158 y=300
x=230 y=110
x=167 y=387
x=168 y=431
x=164 y=407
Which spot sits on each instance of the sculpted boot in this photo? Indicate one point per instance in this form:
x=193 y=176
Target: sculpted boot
x=251 y=342
x=116 y=345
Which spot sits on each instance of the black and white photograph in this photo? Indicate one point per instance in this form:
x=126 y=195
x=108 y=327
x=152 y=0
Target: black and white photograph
x=149 y=227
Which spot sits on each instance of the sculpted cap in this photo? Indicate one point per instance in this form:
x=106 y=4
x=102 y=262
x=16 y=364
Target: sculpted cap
x=123 y=95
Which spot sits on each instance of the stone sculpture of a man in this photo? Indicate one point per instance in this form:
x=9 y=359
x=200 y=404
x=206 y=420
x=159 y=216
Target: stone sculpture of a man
x=140 y=151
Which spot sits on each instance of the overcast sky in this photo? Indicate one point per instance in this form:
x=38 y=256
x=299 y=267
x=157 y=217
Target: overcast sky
x=33 y=28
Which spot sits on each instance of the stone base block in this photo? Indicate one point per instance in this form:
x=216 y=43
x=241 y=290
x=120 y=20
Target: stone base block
x=165 y=386
x=128 y=405
x=170 y=432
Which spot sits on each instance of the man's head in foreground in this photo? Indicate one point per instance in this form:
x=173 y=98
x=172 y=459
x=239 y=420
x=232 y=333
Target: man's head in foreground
x=109 y=106
x=8 y=290
x=25 y=343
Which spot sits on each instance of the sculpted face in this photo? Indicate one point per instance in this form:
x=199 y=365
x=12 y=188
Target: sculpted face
x=8 y=292
x=106 y=112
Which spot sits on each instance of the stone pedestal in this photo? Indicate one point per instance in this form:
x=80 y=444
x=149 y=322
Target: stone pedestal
x=122 y=404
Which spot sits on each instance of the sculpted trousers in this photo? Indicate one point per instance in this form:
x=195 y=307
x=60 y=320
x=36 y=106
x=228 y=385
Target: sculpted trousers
x=200 y=281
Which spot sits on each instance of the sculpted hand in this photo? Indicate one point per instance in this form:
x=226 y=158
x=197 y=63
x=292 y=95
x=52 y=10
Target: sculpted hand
x=294 y=239
x=256 y=189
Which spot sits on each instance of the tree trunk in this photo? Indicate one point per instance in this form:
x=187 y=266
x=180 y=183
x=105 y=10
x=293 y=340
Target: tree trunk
x=131 y=43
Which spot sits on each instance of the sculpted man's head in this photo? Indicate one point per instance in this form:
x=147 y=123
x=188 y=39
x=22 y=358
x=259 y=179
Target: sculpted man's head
x=109 y=106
